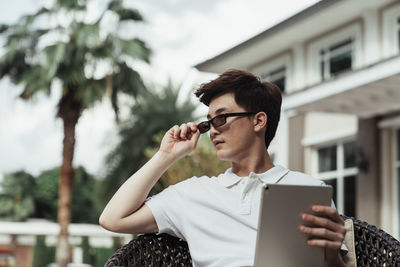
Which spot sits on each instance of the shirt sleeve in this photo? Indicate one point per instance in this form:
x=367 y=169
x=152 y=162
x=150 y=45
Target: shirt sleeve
x=164 y=207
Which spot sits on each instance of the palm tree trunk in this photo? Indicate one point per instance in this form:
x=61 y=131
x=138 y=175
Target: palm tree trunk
x=69 y=111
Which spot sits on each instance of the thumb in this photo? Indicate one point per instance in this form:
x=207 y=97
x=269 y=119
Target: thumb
x=195 y=137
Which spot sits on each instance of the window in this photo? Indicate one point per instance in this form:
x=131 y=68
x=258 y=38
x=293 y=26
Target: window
x=336 y=166
x=275 y=70
x=334 y=53
x=391 y=31
x=398 y=33
x=336 y=59
x=277 y=76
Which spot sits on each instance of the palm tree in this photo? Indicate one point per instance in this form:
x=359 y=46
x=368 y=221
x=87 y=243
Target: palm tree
x=60 y=44
x=153 y=113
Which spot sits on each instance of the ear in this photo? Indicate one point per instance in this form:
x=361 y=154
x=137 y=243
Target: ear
x=260 y=121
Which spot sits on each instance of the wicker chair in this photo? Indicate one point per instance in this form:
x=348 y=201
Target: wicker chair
x=373 y=247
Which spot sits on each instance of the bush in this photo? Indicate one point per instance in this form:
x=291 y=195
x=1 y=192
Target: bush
x=42 y=255
x=88 y=252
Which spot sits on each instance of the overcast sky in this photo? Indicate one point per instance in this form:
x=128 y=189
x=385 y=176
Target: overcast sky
x=181 y=34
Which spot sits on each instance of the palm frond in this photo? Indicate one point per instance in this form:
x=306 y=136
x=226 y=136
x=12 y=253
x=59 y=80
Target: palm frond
x=127 y=80
x=30 y=19
x=35 y=81
x=3 y=28
x=103 y=49
x=91 y=91
x=86 y=34
x=134 y=48
x=128 y=14
x=54 y=55
x=70 y=4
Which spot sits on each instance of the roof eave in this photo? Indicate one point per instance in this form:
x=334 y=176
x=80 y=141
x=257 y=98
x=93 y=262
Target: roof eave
x=207 y=66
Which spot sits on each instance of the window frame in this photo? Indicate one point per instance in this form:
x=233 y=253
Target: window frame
x=327 y=54
x=268 y=77
x=391 y=31
x=273 y=65
x=340 y=173
x=352 y=32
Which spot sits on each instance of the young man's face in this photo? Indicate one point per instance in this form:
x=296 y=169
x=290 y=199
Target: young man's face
x=232 y=140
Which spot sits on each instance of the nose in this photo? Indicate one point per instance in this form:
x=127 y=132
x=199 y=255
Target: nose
x=213 y=132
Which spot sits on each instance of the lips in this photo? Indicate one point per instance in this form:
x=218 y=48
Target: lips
x=217 y=142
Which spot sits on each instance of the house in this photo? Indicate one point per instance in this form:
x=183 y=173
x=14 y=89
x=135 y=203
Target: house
x=338 y=65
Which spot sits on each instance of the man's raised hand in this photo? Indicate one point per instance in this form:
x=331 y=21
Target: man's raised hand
x=180 y=140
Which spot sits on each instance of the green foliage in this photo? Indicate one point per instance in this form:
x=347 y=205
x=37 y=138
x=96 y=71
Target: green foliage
x=16 y=196
x=42 y=255
x=202 y=161
x=46 y=194
x=88 y=252
x=23 y=196
x=83 y=207
x=116 y=243
x=152 y=113
x=102 y=255
x=97 y=256
x=124 y=13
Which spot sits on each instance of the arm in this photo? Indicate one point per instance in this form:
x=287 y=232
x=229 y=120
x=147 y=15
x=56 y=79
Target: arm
x=126 y=211
x=328 y=232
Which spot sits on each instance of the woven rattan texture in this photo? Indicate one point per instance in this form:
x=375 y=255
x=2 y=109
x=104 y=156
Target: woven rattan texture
x=152 y=250
x=375 y=247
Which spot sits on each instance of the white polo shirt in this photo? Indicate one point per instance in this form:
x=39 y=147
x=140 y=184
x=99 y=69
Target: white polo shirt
x=218 y=216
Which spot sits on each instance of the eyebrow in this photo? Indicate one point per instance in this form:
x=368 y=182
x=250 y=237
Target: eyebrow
x=219 y=111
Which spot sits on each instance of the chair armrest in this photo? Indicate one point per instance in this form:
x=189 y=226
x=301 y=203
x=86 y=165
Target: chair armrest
x=152 y=250
x=374 y=247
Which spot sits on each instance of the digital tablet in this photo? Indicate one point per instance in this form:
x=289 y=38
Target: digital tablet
x=279 y=240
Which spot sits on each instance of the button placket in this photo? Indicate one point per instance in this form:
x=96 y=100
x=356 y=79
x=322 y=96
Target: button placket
x=246 y=197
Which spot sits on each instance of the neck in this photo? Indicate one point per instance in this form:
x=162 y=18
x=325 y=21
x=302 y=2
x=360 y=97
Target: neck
x=256 y=162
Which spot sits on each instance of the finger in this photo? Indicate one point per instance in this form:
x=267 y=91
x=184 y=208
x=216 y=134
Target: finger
x=185 y=131
x=176 y=131
x=329 y=212
x=193 y=127
x=195 y=138
x=322 y=233
x=335 y=245
x=323 y=223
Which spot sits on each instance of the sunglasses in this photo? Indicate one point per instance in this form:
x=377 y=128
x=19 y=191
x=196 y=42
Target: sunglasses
x=220 y=120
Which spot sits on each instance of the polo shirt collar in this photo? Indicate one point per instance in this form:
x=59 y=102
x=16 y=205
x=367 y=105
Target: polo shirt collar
x=269 y=177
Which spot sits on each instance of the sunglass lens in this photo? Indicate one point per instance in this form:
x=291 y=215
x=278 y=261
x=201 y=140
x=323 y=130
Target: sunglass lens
x=203 y=126
x=219 y=121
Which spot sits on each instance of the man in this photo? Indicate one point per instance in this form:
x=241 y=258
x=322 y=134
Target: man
x=218 y=216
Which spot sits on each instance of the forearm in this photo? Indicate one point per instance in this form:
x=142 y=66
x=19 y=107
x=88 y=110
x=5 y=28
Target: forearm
x=132 y=194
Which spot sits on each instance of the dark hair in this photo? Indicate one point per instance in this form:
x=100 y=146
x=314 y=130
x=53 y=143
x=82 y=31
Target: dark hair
x=250 y=93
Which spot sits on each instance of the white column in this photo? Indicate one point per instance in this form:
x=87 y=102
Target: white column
x=298 y=74
x=371 y=37
x=282 y=138
x=388 y=199
x=78 y=255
